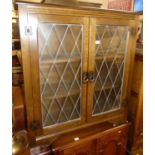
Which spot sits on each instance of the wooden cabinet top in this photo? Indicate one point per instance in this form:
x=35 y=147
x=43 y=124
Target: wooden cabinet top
x=38 y=7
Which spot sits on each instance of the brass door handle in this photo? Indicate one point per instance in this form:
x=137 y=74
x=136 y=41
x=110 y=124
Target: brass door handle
x=91 y=76
x=85 y=77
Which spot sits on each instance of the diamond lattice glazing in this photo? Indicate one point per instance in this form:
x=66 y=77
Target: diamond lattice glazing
x=110 y=52
x=60 y=64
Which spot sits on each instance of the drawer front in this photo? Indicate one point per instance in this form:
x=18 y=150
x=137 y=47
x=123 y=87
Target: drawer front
x=112 y=143
x=109 y=142
x=87 y=148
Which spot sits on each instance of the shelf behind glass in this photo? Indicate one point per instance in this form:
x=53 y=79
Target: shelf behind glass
x=46 y=60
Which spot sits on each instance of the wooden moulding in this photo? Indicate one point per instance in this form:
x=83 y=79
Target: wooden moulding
x=30 y=1
x=77 y=3
x=136 y=106
x=74 y=10
x=139 y=52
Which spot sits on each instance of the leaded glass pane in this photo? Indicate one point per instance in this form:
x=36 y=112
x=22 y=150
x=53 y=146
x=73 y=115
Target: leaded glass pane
x=60 y=65
x=110 y=51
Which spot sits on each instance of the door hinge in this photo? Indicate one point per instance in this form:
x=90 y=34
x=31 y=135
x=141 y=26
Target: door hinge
x=28 y=30
x=35 y=125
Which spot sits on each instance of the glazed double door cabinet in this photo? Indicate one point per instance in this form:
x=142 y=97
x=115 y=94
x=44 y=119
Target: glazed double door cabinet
x=76 y=65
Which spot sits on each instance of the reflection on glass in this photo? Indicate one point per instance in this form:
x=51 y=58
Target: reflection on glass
x=110 y=48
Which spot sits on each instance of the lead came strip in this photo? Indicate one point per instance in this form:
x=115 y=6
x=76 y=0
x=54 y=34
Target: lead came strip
x=109 y=63
x=60 y=83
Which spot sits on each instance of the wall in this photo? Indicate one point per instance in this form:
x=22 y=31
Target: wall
x=114 y=4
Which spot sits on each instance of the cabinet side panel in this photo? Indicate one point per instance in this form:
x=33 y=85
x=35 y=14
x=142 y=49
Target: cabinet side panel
x=23 y=22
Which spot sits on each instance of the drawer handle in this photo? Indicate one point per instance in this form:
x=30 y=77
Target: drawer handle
x=76 y=139
x=114 y=125
x=119 y=131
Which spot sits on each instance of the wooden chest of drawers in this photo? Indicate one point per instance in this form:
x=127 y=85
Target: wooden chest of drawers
x=103 y=139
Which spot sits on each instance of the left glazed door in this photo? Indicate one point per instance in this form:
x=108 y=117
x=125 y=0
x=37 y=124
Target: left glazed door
x=58 y=53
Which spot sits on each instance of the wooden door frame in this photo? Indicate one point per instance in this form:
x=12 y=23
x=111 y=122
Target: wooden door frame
x=34 y=19
x=130 y=52
x=23 y=22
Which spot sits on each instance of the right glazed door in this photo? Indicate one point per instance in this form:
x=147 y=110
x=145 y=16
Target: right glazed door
x=108 y=66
